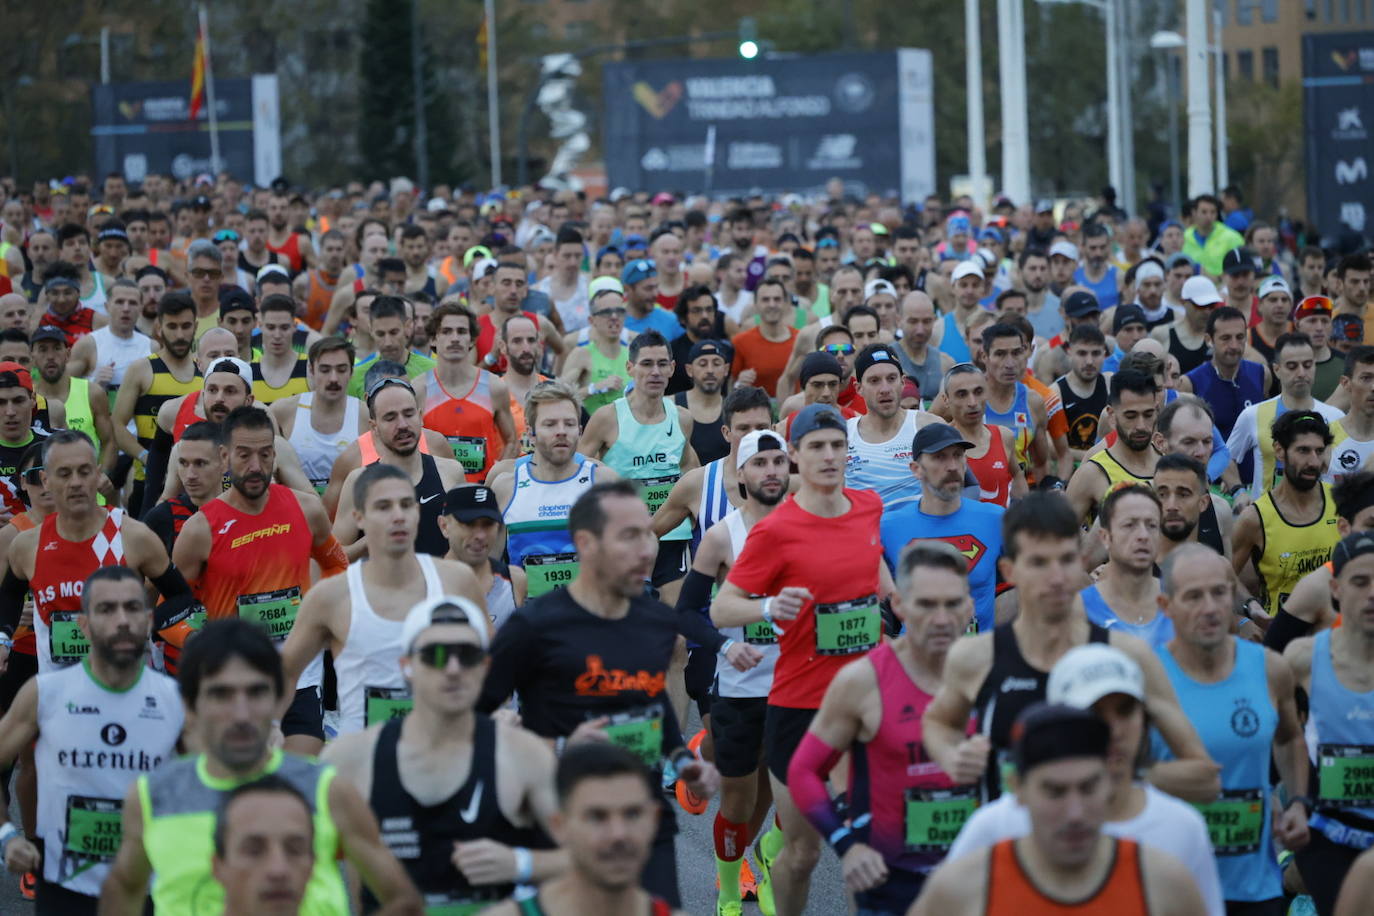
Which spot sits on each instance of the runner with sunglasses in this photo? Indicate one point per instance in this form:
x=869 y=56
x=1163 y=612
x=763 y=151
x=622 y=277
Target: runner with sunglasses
x=461 y=799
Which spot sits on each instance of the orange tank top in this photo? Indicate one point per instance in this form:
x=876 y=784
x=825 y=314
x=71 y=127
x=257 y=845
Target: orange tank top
x=317 y=299
x=23 y=636
x=367 y=448
x=1010 y=889
x=467 y=420
x=259 y=565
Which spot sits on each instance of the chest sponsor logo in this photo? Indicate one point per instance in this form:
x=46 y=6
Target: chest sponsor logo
x=1018 y=684
x=1244 y=720
x=643 y=460
x=113 y=734
x=69 y=589
x=600 y=681
x=970 y=546
x=469 y=814
x=430 y=497
x=227 y=525
x=270 y=531
x=77 y=709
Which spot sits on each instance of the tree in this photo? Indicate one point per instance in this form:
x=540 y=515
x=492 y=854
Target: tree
x=1264 y=127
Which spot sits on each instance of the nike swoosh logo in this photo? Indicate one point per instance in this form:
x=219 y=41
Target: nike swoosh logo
x=469 y=814
x=987 y=494
x=432 y=496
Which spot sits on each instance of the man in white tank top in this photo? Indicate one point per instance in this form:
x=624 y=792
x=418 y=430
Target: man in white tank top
x=323 y=422
x=358 y=616
x=880 y=440
x=105 y=353
x=98 y=725
x=744 y=665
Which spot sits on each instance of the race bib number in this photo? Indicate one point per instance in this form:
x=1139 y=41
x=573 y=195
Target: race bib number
x=760 y=633
x=656 y=490
x=470 y=905
x=470 y=452
x=383 y=703
x=1345 y=775
x=640 y=732
x=545 y=572
x=274 y=611
x=1235 y=821
x=94 y=826
x=849 y=627
x=320 y=486
x=934 y=817
x=66 y=643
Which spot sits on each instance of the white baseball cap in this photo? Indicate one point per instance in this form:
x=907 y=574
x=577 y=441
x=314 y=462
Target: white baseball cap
x=760 y=440
x=444 y=609
x=241 y=369
x=969 y=268
x=1064 y=248
x=1275 y=284
x=877 y=286
x=1200 y=291
x=1090 y=672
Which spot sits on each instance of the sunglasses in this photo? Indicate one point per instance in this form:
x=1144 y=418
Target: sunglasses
x=839 y=349
x=437 y=654
x=206 y=273
x=609 y=313
x=33 y=476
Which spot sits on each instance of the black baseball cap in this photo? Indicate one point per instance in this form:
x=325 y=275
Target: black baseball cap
x=1238 y=261
x=1350 y=547
x=234 y=298
x=935 y=437
x=468 y=504
x=814 y=417
x=711 y=348
x=47 y=332
x=880 y=355
x=1128 y=314
x=1080 y=303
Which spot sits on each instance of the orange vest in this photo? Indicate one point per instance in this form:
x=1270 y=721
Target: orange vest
x=1010 y=889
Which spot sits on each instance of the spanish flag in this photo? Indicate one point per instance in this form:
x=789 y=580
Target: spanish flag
x=198 y=74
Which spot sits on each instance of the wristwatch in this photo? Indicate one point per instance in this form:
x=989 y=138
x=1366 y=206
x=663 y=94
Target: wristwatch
x=1303 y=800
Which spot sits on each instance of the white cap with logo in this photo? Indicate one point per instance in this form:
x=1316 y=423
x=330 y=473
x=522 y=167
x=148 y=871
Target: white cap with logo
x=1086 y=674
x=444 y=609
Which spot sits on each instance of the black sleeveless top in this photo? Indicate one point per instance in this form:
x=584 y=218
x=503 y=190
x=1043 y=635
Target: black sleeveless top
x=422 y=837
x=1209 y=529
x=1010 y=687
x=1188 y=360
x=707 y=439
x=429 y=492
x=1083 y=413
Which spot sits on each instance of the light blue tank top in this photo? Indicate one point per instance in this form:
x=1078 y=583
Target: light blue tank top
x=953 y=341
x=1105 y=289
x=1157 y=632
x=1236 y=720
x=1015 y=418
x=651 y=455
x=1340 y=731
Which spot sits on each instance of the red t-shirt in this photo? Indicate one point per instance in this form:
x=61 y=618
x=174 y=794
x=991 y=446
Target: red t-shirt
x=486 y=338
x=768 y=359
x=782 y=550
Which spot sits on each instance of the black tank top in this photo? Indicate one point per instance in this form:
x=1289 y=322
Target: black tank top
x=1209 y=529
x=430 y=493
x=1082 y=413
x=1011 y=686
x=1188 y=360
x=422 y=837
x=707 y=439
x=921 y=279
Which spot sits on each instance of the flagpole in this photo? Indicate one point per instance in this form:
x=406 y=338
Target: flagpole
x=210 y=94
x=493 y=105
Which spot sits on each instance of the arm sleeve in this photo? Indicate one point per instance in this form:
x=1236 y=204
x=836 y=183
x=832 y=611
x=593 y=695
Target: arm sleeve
x=331 y=557
x=1221 y=456
x=171 y=584
x=692 y=604
x=1283 y=629
x=806 y=775
x=159 y=454
x=510 y=654
x=12 y=592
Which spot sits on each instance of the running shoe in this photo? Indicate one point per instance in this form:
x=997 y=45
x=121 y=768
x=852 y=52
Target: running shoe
x=689 y=800
x=28 y=885
x=748 y=885
x=729 y=908
x=763 y=881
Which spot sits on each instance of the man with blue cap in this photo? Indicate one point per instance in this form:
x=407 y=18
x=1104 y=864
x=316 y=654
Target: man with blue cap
x=640 y=279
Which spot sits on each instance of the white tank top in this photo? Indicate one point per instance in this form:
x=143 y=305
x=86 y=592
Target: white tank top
x=318 y=450
x=96 y=300
x=883 y=467
x=93 y=743
x=730 y=681
x=368 y=668
x=123 y=353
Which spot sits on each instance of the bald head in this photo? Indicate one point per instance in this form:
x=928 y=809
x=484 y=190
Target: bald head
x=214 y=344
x=14 y=312
x=1149 y=345
x=917 y=304
x=1192 y=562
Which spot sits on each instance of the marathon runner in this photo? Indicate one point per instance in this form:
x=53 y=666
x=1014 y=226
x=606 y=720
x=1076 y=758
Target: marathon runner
x=1083 y=389
x=645 y=437
x=264 y=848
x=824 y=614
x=316 y=287
x=460 y=797
x=943 y=513
x=280 y=372
x=358 y=616
x=1125 y=596
x=1333 y=667
x=1131 y=459
x=1188 y=513
x=879 y=442
x=106 y=354
x=903 y=811
x=1354 y=432
x=992 y=457
x=22 y=423
x=200 y=468
x=98 y=725
x=231 y=683
x=248 y=554
x=607 y=815
x=282 y=239
x=474 y=526
x=921 y=361
x=321 y=423
x=1064 y=863
x=396 y=440
x=591 y=661
x=597 y=371
x=708 y=371
x=1228 y=382
x=389 y=330
x=520 y=343
x=999 y=674
x=1240 y=697
x=86 y=406
x=1184 y=426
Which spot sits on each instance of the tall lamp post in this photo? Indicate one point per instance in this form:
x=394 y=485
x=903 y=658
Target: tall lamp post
x=1168 y=42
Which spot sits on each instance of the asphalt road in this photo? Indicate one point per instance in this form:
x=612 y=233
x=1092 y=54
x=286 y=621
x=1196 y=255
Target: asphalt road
x=696 y=865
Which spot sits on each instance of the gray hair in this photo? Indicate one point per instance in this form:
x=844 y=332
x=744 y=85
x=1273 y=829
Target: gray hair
x=928 y=554
x=203 y=248
x=1177 y=556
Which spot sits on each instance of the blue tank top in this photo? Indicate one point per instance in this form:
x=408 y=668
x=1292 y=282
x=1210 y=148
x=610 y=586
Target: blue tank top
x=1228 y=398
x=1236 y=720
x=953 y=341
x=1105 y=290
x=1017 y=417
x=1340 y=729
x=1157 y=632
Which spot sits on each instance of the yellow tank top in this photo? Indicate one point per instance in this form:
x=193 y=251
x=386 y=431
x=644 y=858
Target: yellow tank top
x=1116 y=473
x=1289 y=552
x=264 y=393
x=163 y=388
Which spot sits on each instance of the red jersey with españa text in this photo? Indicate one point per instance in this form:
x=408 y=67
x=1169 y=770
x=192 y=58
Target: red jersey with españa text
x=836 y=559
x=60 y=569
x=259 y=565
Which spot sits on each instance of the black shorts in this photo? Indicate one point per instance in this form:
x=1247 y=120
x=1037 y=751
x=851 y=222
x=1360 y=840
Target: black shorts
x=306 y=715
x=18 y=669
x=1323 y=866
x=737 y=726
x=698 y=676
x=672 y=564
x=56 y=900
x=783 y=730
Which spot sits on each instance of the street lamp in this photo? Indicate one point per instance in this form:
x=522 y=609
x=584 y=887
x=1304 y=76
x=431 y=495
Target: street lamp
x=1168 y=42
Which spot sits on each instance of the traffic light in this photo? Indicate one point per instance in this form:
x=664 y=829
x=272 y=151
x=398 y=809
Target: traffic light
x=748 y=38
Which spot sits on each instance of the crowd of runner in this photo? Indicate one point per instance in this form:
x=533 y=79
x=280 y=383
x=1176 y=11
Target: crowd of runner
x=1005 y=552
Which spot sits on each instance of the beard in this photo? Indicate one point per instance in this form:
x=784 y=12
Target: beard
x=1135 y=445
x=251 y=485
x=1301 y=481
x=1178 y=531
x=764 y=498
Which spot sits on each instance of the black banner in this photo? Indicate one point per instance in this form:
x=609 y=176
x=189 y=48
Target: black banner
x=729 y=126
x=1338 y=104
